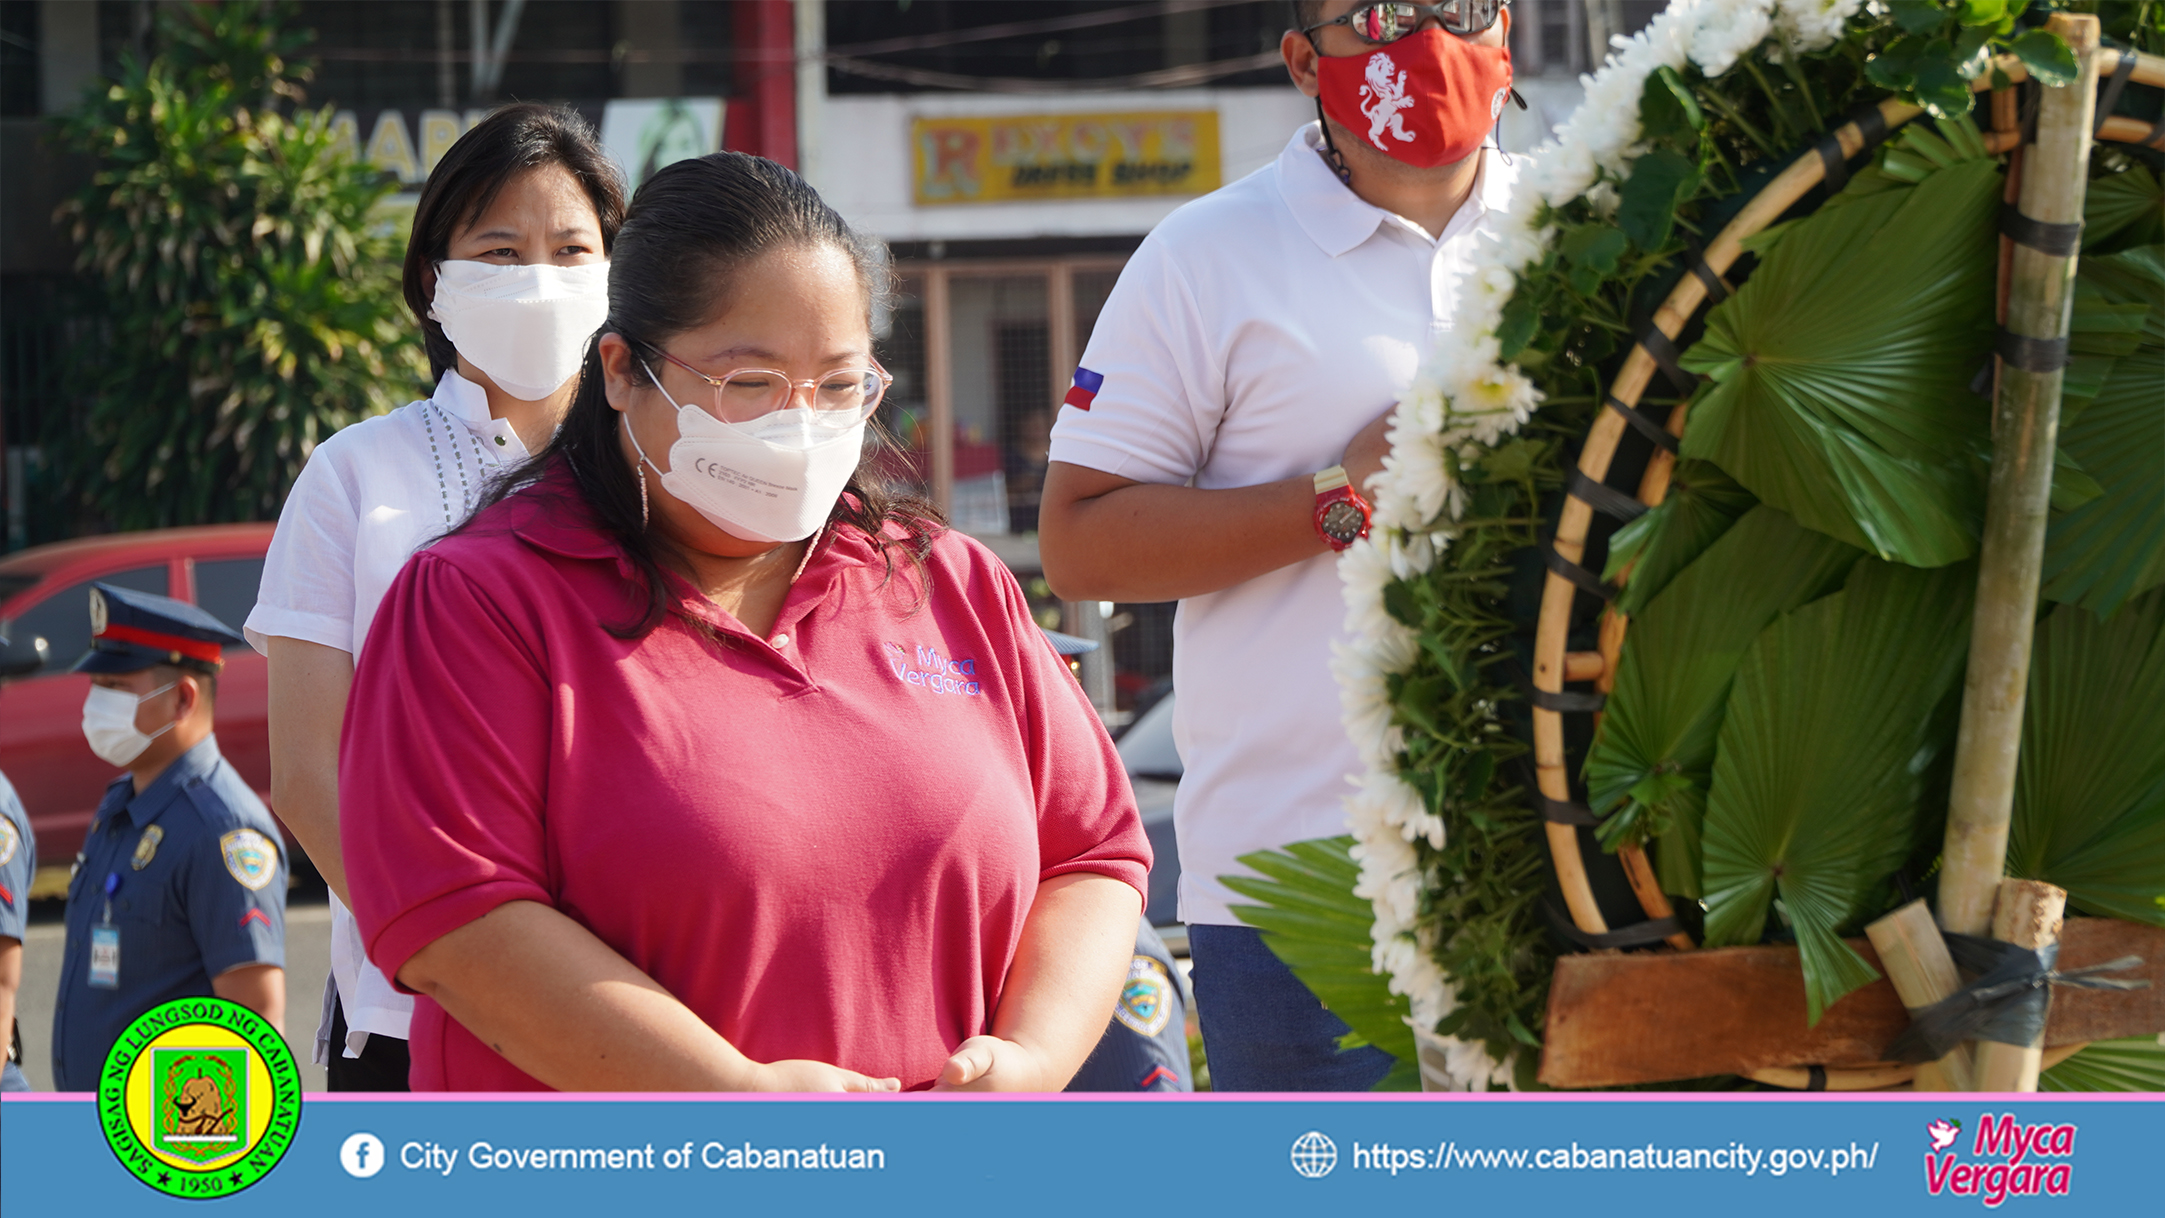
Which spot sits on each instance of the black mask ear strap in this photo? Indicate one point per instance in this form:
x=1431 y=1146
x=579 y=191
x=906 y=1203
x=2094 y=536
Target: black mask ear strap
x=1331 y=156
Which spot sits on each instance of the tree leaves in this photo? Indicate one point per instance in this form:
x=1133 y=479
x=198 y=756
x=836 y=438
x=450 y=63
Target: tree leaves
x=1817 y=773
x=1311 y=919
x=2089 y=810
x=1652 y=759
x=247 y=299
x=1843 y=367
x=2122 y=210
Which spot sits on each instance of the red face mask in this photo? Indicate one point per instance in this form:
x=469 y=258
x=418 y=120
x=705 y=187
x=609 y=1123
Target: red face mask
x=1427 y=99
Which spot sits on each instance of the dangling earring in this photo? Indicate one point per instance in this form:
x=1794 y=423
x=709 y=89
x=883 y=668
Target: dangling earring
x=639 y=469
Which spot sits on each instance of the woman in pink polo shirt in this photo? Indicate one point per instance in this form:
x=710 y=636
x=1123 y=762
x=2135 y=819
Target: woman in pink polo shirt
x=705 y=762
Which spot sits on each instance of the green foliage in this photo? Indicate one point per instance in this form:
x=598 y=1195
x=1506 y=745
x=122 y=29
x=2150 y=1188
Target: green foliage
x=2090 y=792
x=1311 y=920
x=1842 y=367
x=1482 y=888
x=1946 y=44
x=2099 y=553
x=2134 y=1064
x=1817 y=783
x=1701 y=505
x=2122 y=210
x=248 y=306
x=1653 y=758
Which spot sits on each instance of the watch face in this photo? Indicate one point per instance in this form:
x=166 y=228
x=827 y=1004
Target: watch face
x=1342 y=522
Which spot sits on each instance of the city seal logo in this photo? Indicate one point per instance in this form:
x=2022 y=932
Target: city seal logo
x=1314 y=1155
x=199 y=1098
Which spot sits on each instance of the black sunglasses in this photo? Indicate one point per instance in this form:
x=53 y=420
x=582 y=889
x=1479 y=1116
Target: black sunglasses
x=1377 y=24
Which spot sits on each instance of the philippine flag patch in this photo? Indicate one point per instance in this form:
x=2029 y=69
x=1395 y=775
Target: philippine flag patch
x=1085 y=389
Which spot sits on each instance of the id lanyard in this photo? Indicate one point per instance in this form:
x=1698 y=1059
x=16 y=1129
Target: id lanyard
x=105 y=942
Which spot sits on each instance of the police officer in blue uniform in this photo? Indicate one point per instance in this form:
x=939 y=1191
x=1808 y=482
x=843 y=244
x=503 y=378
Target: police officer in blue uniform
x=1145 y=1047
x=180 y=891
x=18 y=863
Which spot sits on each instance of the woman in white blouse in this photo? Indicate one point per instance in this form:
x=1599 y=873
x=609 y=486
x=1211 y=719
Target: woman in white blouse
x=507 y=270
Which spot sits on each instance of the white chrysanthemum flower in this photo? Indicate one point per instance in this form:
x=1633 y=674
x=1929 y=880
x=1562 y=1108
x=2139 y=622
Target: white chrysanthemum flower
x=1465 y=402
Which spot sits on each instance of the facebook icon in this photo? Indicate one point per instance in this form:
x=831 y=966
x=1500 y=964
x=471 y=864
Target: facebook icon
x=361 y=1155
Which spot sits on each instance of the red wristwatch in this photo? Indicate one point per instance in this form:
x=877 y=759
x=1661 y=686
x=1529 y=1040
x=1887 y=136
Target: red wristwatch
x=1341 y=514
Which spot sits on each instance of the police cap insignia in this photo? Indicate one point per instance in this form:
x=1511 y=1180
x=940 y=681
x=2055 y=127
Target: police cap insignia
x=1146 y=1001
x=146 y=847
x=97 y=613
x=250 y=858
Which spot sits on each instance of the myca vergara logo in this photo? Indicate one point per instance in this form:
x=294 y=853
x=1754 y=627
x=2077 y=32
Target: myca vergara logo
x=2006 y=1160
x=199 y=1098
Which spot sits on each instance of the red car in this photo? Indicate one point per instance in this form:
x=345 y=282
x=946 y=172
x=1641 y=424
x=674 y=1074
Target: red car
x=45 y=593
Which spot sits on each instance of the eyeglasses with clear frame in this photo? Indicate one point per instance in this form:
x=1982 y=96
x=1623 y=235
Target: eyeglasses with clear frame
x=842 y=398
x=1378 y=24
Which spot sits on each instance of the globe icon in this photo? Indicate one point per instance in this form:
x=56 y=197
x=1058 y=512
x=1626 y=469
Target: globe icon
x=1314 y=1155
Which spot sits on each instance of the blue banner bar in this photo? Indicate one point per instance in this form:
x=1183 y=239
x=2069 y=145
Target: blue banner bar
x=1616 y=1154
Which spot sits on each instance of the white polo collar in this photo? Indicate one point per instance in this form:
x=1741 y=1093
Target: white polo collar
x=1338 y=220
x=463 y=400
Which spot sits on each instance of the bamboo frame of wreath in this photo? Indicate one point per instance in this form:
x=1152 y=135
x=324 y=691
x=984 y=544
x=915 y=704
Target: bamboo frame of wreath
x=1553 y=665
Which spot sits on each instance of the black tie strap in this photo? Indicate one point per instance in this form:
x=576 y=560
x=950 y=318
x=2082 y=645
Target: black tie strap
x=1587 y=581
x=1665 y=354
x=1641 y=423
x=1716 y=290
x=2053 y=240
x=2039 y=355
x=2008 y=1004
x=1637 y=935
x=1566 y=703
x=1604 y=499
x=1564 y=812
x=1816 y=1080
x=1871 y=124
x=2111 y=96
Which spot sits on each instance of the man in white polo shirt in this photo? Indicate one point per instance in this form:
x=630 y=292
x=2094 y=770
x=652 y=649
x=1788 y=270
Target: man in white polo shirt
x=1230 y=405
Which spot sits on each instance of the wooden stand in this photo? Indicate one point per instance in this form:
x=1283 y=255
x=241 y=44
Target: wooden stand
x=1916 y=961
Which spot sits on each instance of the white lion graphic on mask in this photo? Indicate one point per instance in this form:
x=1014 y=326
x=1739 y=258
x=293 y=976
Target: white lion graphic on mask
x=1387 y=97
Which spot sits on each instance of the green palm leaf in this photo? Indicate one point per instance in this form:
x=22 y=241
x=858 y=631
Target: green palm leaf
x=2102 y=552
x=1816 y=783
x=1655 y=752
x=2124 y=209
x=1311 y=919
x=1701 y=505
x=1842 y=367
x=2134 y=1064
x=2090 y=793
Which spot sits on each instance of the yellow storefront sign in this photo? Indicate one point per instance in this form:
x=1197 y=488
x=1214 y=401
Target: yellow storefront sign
x=1064 y=156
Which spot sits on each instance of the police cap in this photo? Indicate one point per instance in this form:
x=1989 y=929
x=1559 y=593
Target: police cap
x=131 y=631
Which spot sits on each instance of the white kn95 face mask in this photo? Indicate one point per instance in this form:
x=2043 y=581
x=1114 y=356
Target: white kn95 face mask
x=526 y=326
x=774 y=479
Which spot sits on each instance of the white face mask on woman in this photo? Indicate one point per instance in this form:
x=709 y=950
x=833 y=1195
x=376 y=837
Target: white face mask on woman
x=525 y=326
x=774 y=479
x=109 y=723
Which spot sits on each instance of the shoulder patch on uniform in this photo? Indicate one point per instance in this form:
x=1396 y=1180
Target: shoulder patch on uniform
x=146 y=847
x=1146 y=1001
x=10 y=840
x=250 y=858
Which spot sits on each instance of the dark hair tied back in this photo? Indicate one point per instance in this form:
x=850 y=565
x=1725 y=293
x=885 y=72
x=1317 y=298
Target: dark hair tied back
x=500 y=147
x=691 y=230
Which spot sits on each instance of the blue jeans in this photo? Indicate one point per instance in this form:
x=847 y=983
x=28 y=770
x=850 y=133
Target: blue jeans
x=1262 y=1029
x=11 y=1078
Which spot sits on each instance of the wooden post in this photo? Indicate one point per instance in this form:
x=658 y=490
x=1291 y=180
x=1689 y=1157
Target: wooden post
x=2026 y=416
x=940 y=387
x=1916 y=961
x=2028 y=915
